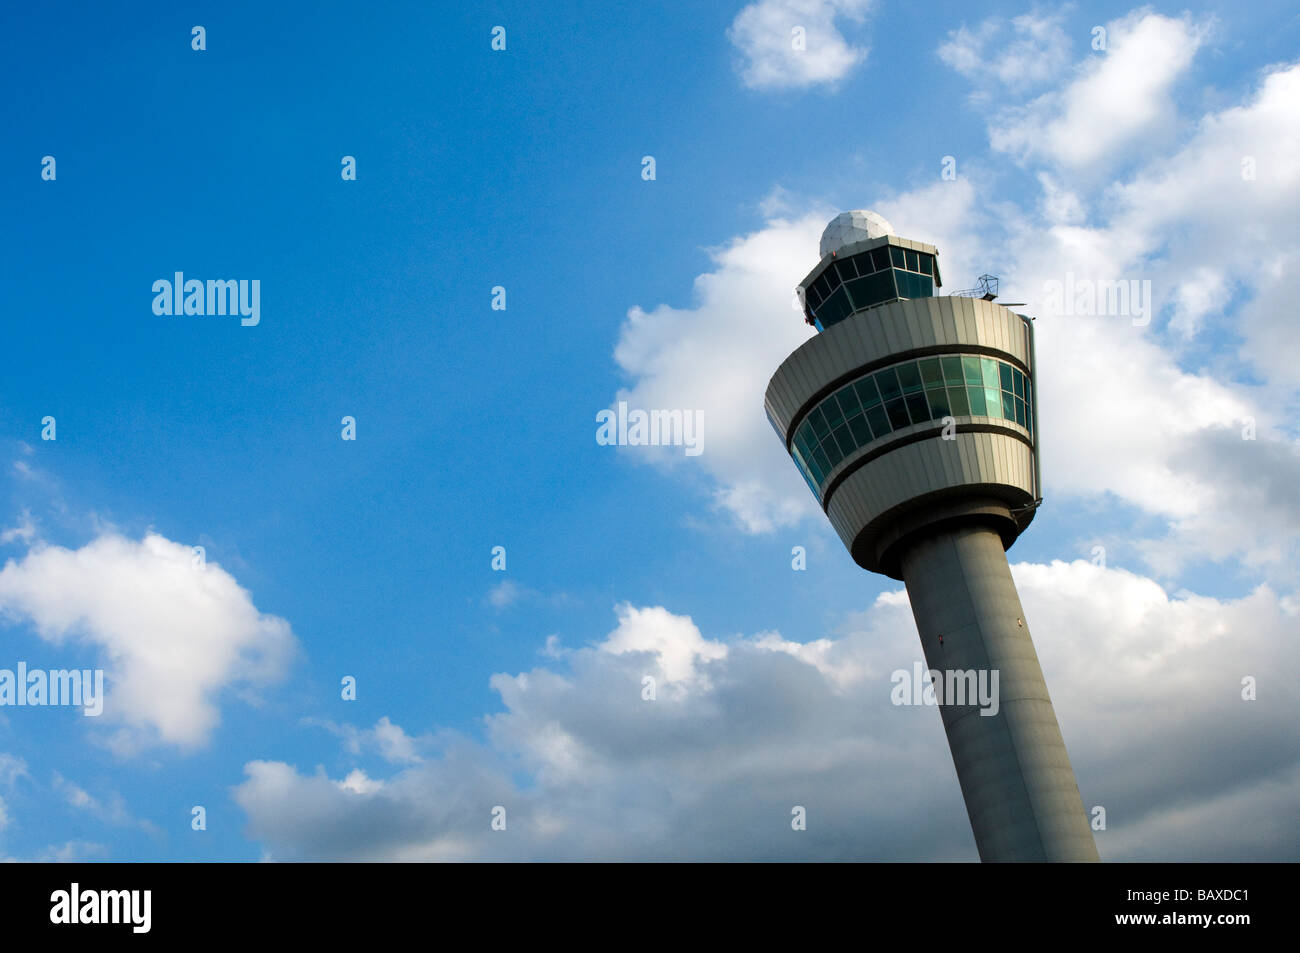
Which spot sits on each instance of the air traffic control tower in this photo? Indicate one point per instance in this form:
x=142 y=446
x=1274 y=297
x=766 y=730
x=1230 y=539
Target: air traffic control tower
x=912 y=418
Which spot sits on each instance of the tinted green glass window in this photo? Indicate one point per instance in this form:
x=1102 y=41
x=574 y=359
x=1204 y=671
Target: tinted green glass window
x=871 y=290
x=906 y=394
x=868 y=394
x=913 y=262
x=844 y=439
x=863 y=264
x=927 y=264
x=835 y=308
x=819 y=425
x=892 y=275
x=924 y=287
x=990 y=369
x=846 y=270
x=831 y=408
x=887 y=381
x=897 y=411
x=861 y=430
x=879 y=258
x=878 y=420
x=909 y=378
x=817 y=472
x=823 y=285
x=896 y=256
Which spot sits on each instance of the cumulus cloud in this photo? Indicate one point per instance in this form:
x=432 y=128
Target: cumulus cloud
x=170 y=635
x=1120 y=98
x=796 y=43
x=1192 y=225
x=717 y=357
x=761 y=724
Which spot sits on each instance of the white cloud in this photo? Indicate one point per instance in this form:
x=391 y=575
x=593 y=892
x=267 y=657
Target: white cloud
x=358 y=782
x=717 y=356
x=171 y=637
x=764 y=34
x=386 y=739
x=711 y=771
x=1120 y=98
x=505 y=594
x=24 y=532
x=674 y=641
x=1028 y=51
x=11 y=769
x=1207 y=239
x=110 y=808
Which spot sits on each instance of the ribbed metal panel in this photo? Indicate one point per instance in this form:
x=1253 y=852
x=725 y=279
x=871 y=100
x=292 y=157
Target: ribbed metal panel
x=994 y=463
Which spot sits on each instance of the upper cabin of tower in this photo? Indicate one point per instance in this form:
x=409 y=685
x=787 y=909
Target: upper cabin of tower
x=863 y=265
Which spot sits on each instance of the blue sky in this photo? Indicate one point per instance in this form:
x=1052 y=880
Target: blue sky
x=475 y=427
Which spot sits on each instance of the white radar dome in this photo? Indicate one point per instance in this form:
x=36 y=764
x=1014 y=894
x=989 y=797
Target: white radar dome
x=856 y=226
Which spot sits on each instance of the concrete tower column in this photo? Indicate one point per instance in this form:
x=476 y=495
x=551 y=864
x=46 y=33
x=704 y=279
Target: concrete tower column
x=1015 y=774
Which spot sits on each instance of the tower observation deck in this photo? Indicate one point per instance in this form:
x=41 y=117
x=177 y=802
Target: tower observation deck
x=913 y=420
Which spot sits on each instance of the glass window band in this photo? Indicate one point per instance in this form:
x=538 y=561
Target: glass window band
x=910 y=392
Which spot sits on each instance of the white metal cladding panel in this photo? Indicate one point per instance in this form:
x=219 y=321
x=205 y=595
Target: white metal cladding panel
x=893 y=328
x=989 y=329
x=925 y=467
x=938 y=330
x=942 y=467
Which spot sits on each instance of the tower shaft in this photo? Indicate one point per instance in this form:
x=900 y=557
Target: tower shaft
x=1015 y=774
